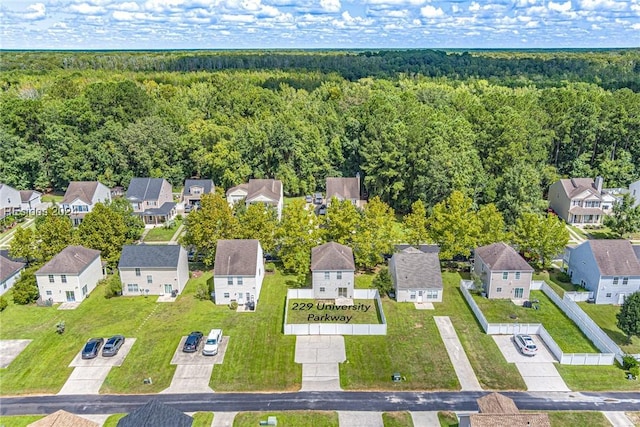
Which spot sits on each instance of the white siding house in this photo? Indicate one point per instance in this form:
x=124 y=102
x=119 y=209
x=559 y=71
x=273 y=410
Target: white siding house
x=153 y=269
x=10 y=200
x=71 y=275
x=332 y=271
x=634 y=191
x=267 y=191
x=415 y=273
x=10 y=271
x=82 y=196
x=29 y=199
x=238 y=272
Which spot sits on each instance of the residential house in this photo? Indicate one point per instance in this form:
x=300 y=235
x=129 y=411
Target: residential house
x=153 y=269
x=496 y=410
x=415 y=273
x=238 y=271
x=608 y=268
x=152 y=200
x=580 y=201
x=153 y=414
x=117 y=191
x=10 y=200
x=29 y=199
x=82 y=196
x=267 y=191
x=332 y=271
x=71 y=275
x=634 y=191
x=10 y=270
x=193 y=191
x=62 y=418
x=503 y=272
x=345 y=189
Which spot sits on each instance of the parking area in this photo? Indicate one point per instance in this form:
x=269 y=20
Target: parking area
x=513 y=355
x=197 y=358
x=117 y=360
x=320 y=356
x=10 y=349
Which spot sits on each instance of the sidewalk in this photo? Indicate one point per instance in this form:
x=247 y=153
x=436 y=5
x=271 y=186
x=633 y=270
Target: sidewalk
x=459 y=360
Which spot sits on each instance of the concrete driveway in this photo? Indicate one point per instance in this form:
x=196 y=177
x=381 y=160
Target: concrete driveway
x=320 y=356
x=197 y=358
x=117 y=360
x=360 y=419
x=512 y=354
x=10 y=349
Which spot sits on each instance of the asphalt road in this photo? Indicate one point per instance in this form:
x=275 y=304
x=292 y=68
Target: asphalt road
x=329 y=401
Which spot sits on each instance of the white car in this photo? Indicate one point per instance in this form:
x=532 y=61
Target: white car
x=212 y=344
x=525 y=344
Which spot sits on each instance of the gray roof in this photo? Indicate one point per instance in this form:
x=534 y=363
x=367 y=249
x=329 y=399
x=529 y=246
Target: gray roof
x=636 y=249
x=269 y=188
x=141 y=189
x=206 y=184
x=502 y=257
x=615 y=257
x=332 y=256
x=244 y=187
x=83 y=190
x=9 y=267
x=343 y=188
x=28 y=195
x=237 y=257
x=421 y=248
x=71 y=260
x=574 y=186
x=163 y=210
x=415 y=269
x=150 y=256
x=156 y=414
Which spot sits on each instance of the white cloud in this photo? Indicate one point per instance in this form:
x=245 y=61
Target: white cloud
x=474 y=7
x=398 y=2
x=636 y=26
x=87 y=9
x=602 y=5
x=331 y=5
x=560 y=7
x=35 y=12
x=429 y=11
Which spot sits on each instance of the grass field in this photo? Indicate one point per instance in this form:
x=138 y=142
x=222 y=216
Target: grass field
x=578 y=419
x=448 y=419
x=113 y=419
x=314 y=311
x=596 y=378
x=52 y=198
x=162 y=234
x=397 y=419
x=563 y=330
x=551 y=277
x=19 y=420
x=605 y=316
x=289 y=418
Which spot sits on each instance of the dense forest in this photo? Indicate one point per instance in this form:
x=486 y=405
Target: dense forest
x=498 y=126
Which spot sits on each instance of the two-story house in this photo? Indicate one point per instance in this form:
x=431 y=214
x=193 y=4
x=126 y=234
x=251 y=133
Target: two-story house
x=580 y=200
x=10 y=200
x=81 y=197
x=71 y=275
x=153 y=269
x=415 y=273
x=634 y=191
x=29 y=199
x=267 y=191
x=193 y=190
x=345 y=189
x=332 y=271
x=608 y=268
x=503 y=272
x=152 y=199
x=238 y=271
x=10 y=270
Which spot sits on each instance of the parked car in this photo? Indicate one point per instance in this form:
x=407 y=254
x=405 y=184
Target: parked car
x=92 y=348
x=322 y=210
x=526 y=345
x=212 y=344
x=317 y=198
x=193 y=342
x=112 y=346
x=308 y=199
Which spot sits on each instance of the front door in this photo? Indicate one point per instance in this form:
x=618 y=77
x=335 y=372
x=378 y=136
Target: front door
x=167 y=289
x=518 y=292
x=240 y=299
x=71 y=296
x=419 y=296
x=342 y=292
x=621 y=299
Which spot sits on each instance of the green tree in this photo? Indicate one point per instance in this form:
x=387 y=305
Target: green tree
x=259 y=221
x=492 y=226
x=454 y=226
x=53 y=234
x=341 y=222
x=416 y=224
x=382 y=282
x=23 y=245
x=541 y=237
x=299 y=231
x=629 y=316
x=133 y=223
x=25 y=290
x=625 y=218
x=205 y=226
x=103 y=229
x=377 y=234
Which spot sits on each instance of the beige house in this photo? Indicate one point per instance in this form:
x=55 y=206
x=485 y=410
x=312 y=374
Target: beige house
x=503 y=272
x=193 y=191
x=62 y=418
x=71 y=275
x=238 y=271
x=496 y=410
x=81 y=197
x=580 y=200
x=332 y=271
x=152 y=199
x=153 y=269
x=415 y=273
x=267 y=191
x=345 y=189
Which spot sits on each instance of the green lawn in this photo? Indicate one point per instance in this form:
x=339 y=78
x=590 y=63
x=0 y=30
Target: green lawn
x=397 y=419
x=162 y=234
x=605 y=316
x=18 y=420
x=202 y=419
x=52 y=198
x=579 y=231
x=565 y=333
x=601 y=233
x=551 y=277
x=578 y=419
x=315 y=311
x=113 y=419
x=364 y=280
x=596 y=378
x=289 y=418
x=448 y=419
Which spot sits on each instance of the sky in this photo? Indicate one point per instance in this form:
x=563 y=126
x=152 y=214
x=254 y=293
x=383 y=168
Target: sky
x=242 y=24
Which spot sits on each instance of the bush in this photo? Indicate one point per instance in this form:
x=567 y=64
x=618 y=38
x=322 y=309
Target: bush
x=3 y=303
x=60 y=327
x=113 y=286
x=269 y=267
x=629 y=362
x=202 y=292
x=25 y=290
x=382 y=281
x=635 y=371
x=563 y=277
x=233 y=305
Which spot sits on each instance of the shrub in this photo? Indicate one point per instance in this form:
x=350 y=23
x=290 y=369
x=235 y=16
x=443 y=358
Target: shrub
x=60 y=327
x=202 y=292
x=113 y=286
x=269 y=267
x=382 y=281
x=25 y=290
x=629 y=362
x=3 y=303
x=563 y=277
x=233 y=305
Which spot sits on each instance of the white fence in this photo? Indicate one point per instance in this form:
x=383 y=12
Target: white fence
x=335 y=328
x=578 y=296
x=583 y=321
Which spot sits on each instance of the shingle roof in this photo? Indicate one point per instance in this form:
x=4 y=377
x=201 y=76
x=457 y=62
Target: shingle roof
x=332 y=256
x=206 y=184
x=615 y=257
x=422 y=248
x=636 y=249
x=414 y=269
x=244 y=187
x=509 y=420
x=141 y=189
x=83 y=190
x=27 y=195
x=163 y=210
x=8 y=268
x=496 y=403
x=237 y=257
x=63 y=419
x=268 y=188
x=71 y=260
x=579 y=210
x=343 y=188
x=150 y=256
x=574 y=186
x=502 y=257
x=156 y=414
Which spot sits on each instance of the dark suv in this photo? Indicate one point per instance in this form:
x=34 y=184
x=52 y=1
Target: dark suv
x=193 y=342
x=92 y=348
x=112 y=346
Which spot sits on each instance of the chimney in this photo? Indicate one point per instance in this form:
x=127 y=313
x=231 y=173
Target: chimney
x=598 y=183
x=358 y=181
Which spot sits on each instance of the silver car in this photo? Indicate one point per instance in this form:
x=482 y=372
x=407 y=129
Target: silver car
x=525 y=344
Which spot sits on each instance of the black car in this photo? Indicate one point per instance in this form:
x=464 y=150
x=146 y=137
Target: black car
x=193 y=342
x=92 y=348
x=112 y=346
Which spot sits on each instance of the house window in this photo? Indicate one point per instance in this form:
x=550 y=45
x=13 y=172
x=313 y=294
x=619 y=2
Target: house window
x=498 y=289
x=326 y=275
x=339 y=275
x=226 y=295
x=322 y=289
x=137 y=272
x=85 y=290
x=132 y=287
x=63 y=278
x=517 y=275
x=240 y=281
x=625 y=280
x=151 y=203
x=149 y=279
x=412 y=295
x=432 y=294
x=608 y=295
x=505 y=275
x=51 y=280
x=229 y=281
x=615 y=280
x=49 y=293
